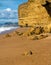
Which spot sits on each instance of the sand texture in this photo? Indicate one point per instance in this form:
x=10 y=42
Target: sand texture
x=19 y=50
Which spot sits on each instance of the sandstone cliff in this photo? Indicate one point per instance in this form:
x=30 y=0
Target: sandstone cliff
x=33 y=13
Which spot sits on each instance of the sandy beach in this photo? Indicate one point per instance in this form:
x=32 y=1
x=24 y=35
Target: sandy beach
x=15 y=50
x=30 y=43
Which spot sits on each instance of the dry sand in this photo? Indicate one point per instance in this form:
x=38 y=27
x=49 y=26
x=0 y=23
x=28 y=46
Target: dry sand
x=14 y=49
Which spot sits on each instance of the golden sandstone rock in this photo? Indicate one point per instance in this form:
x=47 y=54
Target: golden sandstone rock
x=37 y=15
x=40 y=1
x=33 y=13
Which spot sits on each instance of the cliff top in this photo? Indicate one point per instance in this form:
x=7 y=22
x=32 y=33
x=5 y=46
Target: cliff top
x=40 y=1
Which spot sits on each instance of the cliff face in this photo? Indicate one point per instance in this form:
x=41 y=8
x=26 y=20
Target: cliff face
x=33 y=13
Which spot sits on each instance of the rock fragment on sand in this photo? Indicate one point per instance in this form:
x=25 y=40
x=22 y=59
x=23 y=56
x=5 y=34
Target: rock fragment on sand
x=19 y=33
x=7 y=35
x=37 y=37
x=42 y=36
x=28 y=53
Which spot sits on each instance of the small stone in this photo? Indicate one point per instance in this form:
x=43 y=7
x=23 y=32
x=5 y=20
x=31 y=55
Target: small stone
x=28 y=53
x=19 y=33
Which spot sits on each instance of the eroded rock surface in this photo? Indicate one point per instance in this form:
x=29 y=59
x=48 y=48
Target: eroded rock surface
x=33 y=13
x=37 y=15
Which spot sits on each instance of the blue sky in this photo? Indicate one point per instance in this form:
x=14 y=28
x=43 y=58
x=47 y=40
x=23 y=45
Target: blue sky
x=13 y=4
